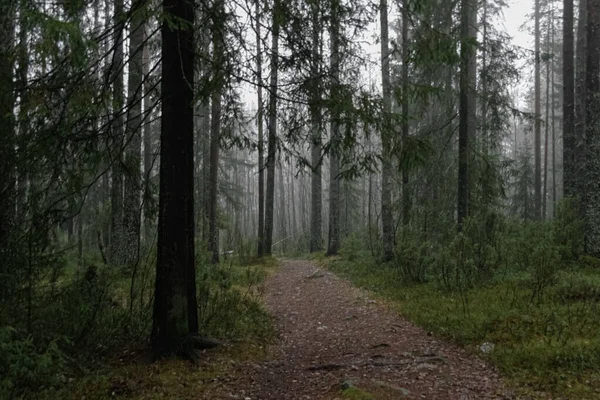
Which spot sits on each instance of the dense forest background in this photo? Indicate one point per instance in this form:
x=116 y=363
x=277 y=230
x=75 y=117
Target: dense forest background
x=150 y=150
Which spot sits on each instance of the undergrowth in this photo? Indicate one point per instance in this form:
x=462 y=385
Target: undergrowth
x=93 y=335
x=519 y=286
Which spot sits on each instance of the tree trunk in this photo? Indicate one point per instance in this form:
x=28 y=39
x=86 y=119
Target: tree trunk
x=272 y=140
x=568 y=102
x=23 y=118
x=215 y=133
x=261 y=141
x=117 y=256
x=387 y=215
x=7 y=123
x=316 y=217
x=592 y=184
x=131 y=215
x=538 y=118
x=405 y=124
x=466 y=129
x=205 y=128
x=283 y=232
x=546 y=128
x=579 y=129
x=334 y=168
x=175 y=309
x=148 y=132
x=553 y=125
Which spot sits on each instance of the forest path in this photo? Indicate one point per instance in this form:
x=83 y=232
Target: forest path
x=331 y=335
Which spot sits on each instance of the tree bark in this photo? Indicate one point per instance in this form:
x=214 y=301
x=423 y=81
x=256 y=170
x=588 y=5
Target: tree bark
x=387 y=215
x=261 y=141
x=117 y=256
x=592 y=183
x=579 y=129
x=7 y=123
x=405 y=125
x=215 y=133
x=538 y=118
x=333 y=246
x=149 y=134
x=175 y=309
x=546 y=126
x=568 y=102
x=131 y=215
x=553 y=124
x=316 y=217
x=467 y=106
x=272 y=139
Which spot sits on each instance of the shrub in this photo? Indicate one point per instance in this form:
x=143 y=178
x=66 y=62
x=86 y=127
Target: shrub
x=413 y=258
x=24 y=367
x=351 y=248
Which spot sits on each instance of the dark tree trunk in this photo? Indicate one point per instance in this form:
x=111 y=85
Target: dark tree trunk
x=7 y=123
x=23 y=117
x=334 y=168
x=568 y=102
x=405 y=124
x=283 y=232
x=132 y=212
x=546 y=126
x=175 y=309
x=215 y=134
x=316 y=213
x=466 y=129
x=579 y=127
x=538 y=118
x=387 y=216
x=272 y=140
x=117 y=256
x=261 y=141
x=592 y=170
x=148 y=133
x=553 y=126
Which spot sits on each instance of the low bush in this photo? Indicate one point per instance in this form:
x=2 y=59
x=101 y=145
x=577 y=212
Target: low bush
x=523 y=286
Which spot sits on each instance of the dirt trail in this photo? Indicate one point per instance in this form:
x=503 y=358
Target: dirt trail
x=332 y=335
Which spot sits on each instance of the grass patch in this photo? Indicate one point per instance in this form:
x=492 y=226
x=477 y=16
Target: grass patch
x=547 y=344
x=354 y=393
x=230 y=309
x=169 y=379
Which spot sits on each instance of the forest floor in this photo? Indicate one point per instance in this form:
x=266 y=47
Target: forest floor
x=334 y=342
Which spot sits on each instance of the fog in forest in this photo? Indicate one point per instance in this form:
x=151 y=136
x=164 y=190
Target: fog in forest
x=303 y=199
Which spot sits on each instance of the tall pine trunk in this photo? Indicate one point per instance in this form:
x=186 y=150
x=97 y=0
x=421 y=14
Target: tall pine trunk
x=579 y=129
x=316 y=213
x=261 y=140
x=334 y=162
x=116 y=241
x=272 y=139
x=592 y=170
x=387 y=216
x=538 y=118
x=148 y=132
x=215 y=132
x=546 y=128
x=553 y=123
x=131 y=212
x=7 y=123
x=175 y=309
x=568 y=102
x=467 y=106
x=405 y=124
